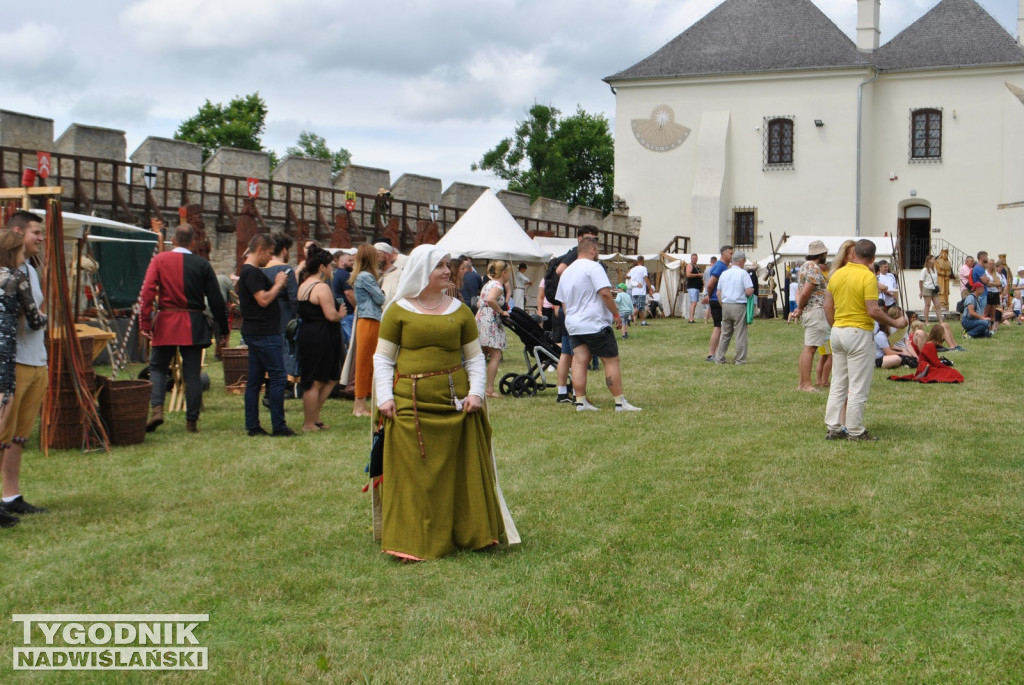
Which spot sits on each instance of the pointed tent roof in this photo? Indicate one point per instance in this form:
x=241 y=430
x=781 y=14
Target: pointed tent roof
x=488 y=231
x=954 y=33
x=741 y=36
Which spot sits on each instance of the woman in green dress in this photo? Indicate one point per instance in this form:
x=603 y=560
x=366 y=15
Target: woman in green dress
x=439 y=491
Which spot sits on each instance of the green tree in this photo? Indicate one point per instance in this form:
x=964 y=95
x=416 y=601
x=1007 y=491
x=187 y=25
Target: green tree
x=570 y=159
x=587 y=146
x=239 y=124
x=314 y=146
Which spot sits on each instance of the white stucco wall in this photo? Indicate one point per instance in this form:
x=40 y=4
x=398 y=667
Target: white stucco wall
x=982 y=156
x=982 y=159
x=817 y=192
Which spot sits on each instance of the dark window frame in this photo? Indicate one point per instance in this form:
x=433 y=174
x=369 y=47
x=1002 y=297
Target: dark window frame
x=926 y=130
x=744 y=230
x=779 y=143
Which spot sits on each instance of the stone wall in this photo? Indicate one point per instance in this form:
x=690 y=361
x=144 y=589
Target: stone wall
x=299 y=195
x=166 y=152
x=304 y=171
x=363 y=179
x=517 y=204
x=25 y=131
x=231 y=161
x=92 y=141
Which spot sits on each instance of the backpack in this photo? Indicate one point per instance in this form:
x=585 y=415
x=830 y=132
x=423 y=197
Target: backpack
x=551 y=278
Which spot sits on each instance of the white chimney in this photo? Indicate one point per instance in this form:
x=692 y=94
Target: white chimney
x=867 y=24
x=1020 y=22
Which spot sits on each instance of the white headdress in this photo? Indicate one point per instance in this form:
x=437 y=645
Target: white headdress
x=416 y=273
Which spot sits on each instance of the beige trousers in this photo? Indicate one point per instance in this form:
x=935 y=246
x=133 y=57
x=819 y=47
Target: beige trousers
x=734 y=323
x=853 y=366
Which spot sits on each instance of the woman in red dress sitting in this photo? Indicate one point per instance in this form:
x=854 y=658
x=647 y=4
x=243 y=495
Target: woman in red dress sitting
x=929 y=368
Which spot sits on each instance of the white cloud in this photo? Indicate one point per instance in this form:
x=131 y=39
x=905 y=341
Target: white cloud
x=490 y=84
x=127 y=109
x=407 y=82
x=36 y=58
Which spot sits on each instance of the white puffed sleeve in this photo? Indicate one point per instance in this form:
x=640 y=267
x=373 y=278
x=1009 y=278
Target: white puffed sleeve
x=476 y=368
x=384 y=370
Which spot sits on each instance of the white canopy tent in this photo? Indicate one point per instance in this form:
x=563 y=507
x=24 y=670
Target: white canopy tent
x=553 y=247
x=676 y=301
x=488 y=231
x=795 y=247
x=74 y=227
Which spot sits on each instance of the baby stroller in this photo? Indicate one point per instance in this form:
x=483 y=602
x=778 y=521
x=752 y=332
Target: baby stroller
x=539 y=351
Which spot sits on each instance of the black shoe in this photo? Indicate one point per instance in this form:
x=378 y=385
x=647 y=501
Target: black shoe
x=266 y=402
x=285 y=432
x=8 y=521
x=20 y=506
x=258 y=430
x=565 y=398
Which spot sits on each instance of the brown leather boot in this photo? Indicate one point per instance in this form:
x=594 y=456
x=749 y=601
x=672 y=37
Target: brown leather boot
x=191 y=427
x=156 y=418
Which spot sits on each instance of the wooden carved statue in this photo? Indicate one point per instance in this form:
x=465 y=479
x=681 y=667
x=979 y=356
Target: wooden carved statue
x=391 y=232
x=945 y=271
x=340 y=236
x=245 y=228
x=427 y=232
x=200 y=243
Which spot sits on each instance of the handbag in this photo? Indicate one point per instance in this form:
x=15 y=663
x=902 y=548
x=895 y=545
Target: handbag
x=291 y=330
x=377 y=453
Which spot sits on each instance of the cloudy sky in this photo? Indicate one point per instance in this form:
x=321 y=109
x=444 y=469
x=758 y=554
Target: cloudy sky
x=413 y=86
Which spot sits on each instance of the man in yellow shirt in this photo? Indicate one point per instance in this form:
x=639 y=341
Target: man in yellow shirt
x=851 y=308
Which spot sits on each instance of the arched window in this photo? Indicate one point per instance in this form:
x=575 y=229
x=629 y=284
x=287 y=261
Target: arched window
x=779 y=143
x=926 y=134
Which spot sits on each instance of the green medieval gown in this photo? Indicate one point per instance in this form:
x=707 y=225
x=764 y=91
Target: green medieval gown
x=440 y=490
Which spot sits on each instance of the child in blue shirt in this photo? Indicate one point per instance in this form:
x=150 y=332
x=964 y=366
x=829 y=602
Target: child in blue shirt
x=625 y=304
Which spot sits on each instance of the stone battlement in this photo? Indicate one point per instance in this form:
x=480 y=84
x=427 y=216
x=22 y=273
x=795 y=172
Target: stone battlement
x=299 y=194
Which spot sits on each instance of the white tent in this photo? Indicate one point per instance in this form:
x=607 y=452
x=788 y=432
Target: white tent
x=74 y=226
x=795 y=247
x=488 y=231
x=554 y=247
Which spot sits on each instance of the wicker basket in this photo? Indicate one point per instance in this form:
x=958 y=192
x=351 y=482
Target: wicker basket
x=66 y=418
x=86 y=343
x=236 y=368
x=68 y=431
x=124 y=407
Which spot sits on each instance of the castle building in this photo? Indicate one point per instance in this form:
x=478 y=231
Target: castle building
x=764 y=118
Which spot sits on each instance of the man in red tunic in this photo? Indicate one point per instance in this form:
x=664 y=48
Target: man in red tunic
x=179 y=285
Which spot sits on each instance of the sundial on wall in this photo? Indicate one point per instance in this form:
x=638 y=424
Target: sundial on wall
x=1019 y=92
x=660 y=132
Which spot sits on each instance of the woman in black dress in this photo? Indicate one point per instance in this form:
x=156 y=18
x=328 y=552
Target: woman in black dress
x=319 y=337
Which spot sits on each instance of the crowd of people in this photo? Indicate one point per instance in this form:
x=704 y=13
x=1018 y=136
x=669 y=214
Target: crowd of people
x=419 y=339
x=854 y=317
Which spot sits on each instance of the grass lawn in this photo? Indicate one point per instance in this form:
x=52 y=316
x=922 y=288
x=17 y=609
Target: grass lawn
x=715 y=537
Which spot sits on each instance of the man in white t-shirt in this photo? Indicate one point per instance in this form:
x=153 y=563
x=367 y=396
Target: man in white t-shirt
x=522 y=283
x=1017 y=285
x=888 y=289
x=641 y=286
x=590 y=312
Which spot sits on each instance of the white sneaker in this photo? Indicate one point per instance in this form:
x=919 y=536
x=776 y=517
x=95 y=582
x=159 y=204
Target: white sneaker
x=586 y=406
x=626 y=406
